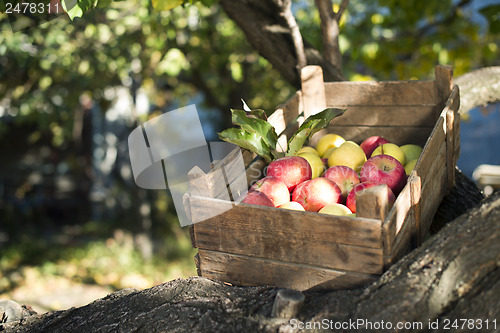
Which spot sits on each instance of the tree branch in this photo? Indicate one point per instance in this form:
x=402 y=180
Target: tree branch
x=296 y=35
x=330 y=30
x=479 y=87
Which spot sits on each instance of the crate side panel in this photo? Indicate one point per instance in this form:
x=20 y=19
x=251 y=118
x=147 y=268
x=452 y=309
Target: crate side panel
x=389 y=115
x=343 y=230
x=432 y=148
x=248 y=271
x=262 y=233
x=287 y=113
x=397 y=220
x=380 y=93
x=433 y=190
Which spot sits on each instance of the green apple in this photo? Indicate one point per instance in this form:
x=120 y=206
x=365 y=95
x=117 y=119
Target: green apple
x=328 y=141
x=410 y=166
x=349 y=154
x=411 y=151
x=335 y=209
x=315 y=162
x=392 y=150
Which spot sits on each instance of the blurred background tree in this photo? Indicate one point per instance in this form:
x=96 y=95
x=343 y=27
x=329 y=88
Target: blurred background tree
x=72 y=90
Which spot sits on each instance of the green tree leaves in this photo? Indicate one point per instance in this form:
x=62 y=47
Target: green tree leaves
x=77 y=8
x=492 y=14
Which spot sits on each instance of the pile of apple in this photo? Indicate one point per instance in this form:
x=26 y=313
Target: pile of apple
x=327 y=177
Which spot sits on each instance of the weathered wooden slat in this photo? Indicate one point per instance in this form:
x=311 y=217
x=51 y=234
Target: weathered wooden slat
x=313 y=90
x=389 y=115
x=278 y=234
x=443 y=84
x=398 y=216
x=433 y=189
x=400 y=249
x=373 y=202
x=397 y=134
x=451 y=110
x=286 y=113
x=415 y=183
x=403 y=225
x=298 y=225
x=380 y=93
x=432 y=147
x=249 y=271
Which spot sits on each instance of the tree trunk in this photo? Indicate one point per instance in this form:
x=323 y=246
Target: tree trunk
x=454 y=276
x=265 y=27
x=479 y=88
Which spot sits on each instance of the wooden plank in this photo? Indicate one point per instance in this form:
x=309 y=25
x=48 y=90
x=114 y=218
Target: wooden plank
x=415 y=183
x=443 y=84
x=399 y=135
x=397 y=219
x=433 y=190
x=313 y=90
x=389 y=115
x=248 y=271
x=199 y=183
x=283 y=235
x=286 y=113
x=451 y=110
x=296 y=224
x=373 y=202
x=399 y=242
x=432 y=147
x=380 y=93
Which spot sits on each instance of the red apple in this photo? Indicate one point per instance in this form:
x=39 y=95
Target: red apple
x=384 y=169
x=257 y=198
x=274 y=188
x=344 y=177
x=316 y=193
x=351 y=198
x=292 y=170
x=371 y=143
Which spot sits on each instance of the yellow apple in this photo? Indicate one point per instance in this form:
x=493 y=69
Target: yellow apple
x=328 y=141
x=392 y=150
x=410 y=166
x=307 y=149
x=328 y=152
x=315 y=162
x=292 y=205
x=412 y=152
x=336 y=209
x=349 y=154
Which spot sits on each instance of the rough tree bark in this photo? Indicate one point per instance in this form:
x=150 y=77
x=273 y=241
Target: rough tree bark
x=454 y=275
x=479 y=88
x=267 y=30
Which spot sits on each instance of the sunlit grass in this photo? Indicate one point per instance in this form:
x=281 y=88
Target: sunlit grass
x=115 y=261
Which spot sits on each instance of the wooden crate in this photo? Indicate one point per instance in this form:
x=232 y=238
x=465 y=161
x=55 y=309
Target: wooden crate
x=254 y=245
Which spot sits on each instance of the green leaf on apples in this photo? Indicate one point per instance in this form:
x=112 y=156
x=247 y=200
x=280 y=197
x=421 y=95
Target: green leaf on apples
x=264 y=129
x=247 y=140
x=310 y=126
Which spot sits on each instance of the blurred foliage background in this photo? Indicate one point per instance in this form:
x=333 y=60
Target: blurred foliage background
x=72 y=91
